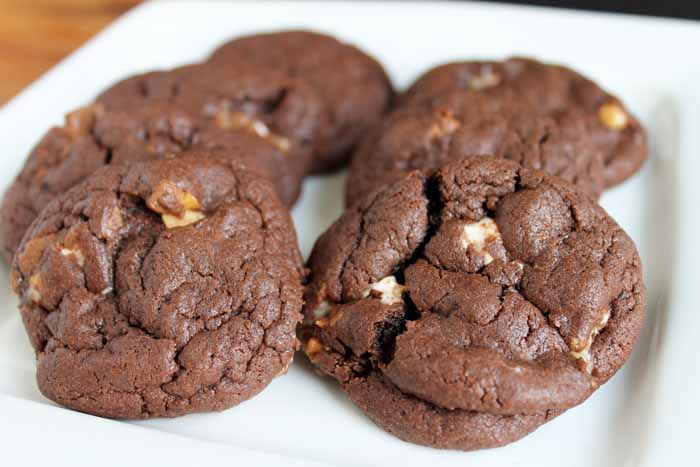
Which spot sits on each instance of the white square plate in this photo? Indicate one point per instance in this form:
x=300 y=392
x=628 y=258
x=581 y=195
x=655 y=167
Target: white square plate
x=647 y=415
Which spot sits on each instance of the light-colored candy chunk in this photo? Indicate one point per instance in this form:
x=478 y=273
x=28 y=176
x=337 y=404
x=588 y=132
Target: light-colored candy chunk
x=322 y=310
x=613 y=116
x=76 y=254
x=478 y=235
x=388 y=289
x=189 y=217
x=233 y=120
x=312 y=347
x=444 y=124
x=487 y=79
x=33 y=293
x=187 y=209
x=581 y=349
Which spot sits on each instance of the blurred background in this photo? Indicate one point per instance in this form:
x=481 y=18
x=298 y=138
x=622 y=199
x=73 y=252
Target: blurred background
x=36 y=34
x=689 y=9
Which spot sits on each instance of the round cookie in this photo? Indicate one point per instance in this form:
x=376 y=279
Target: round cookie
x=545 y=117
x=268 y=119
x=354 y=87
x=487 y=295
x=161 y=288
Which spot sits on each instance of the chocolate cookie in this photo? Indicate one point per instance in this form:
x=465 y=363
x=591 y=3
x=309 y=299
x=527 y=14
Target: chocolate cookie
x=161 y=288
x=270 y=119
x=463 y=310
x=354 y=87
x=545 y=117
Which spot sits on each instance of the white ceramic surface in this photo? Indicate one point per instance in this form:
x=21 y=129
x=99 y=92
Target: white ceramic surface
x=647 y=415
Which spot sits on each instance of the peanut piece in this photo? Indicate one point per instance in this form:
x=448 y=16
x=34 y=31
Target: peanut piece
x=613 y=116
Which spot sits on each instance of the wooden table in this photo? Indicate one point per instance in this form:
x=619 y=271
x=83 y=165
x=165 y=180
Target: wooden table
x=36 y=34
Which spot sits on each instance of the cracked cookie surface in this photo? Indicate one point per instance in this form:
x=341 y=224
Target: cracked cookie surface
x=545 y=117
x=353 y=86
x=161 y=288
x=270 y=121
x=464 y=309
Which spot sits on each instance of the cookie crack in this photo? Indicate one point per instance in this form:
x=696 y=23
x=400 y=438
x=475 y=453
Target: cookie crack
x=388 y=331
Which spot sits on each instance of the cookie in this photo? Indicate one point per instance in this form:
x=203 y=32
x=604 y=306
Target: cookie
x=545 y=117
x=354 y=87
x=161 y=288
x=464 y=309
x=270 y=119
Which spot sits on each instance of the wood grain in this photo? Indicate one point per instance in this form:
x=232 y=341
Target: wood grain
x=36 y=34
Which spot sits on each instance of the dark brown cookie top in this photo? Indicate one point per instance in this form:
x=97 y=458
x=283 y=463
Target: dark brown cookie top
x=161 y=288
x=275 y=107
x=487 y=287
x=545 y=117
x=268 y=120
x=354 y=87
